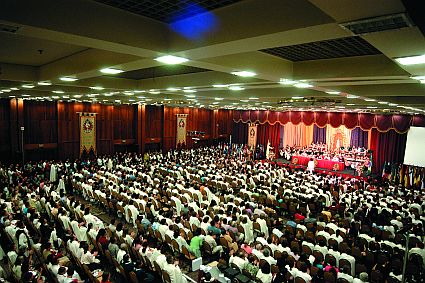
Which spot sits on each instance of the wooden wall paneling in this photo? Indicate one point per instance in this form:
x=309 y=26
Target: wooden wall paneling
x=154 y=121
x=5 y=145
x=68 y=129
x=197 y=120
x=104 y=132
x=40 y=122
x=16 y=121
x=141 y=128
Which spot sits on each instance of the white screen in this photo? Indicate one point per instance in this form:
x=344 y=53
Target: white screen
x=415 y=147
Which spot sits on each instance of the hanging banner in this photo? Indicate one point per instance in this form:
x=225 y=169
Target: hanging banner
x=181 y=129
x=87 y=132
x=338 y=137
x=252 y=135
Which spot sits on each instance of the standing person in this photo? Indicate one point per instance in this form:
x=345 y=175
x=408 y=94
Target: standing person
x=310 y=166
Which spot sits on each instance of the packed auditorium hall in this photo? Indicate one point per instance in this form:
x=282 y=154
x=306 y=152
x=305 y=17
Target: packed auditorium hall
x=200 y=141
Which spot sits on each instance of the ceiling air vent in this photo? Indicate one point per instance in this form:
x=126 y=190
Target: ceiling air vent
x=382 y=23
x=8 y=28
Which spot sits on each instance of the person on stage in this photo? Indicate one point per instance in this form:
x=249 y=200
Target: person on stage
x=310 y=166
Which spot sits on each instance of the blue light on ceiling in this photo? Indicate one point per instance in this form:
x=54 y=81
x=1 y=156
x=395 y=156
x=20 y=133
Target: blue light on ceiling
x=195 y=22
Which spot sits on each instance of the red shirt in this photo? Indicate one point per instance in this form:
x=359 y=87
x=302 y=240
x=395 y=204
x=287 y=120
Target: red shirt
x=299 y=216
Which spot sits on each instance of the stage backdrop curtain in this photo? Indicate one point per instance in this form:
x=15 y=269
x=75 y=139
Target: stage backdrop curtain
x=298 y=135
x=387 y=147
x=319 y=134
x=240 y=133
x=359 y=137
x=337 y=137
x=366 y=121
x=282 y=132
x=270 y=133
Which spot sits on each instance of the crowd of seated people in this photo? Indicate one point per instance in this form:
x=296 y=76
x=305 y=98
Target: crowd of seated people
x=269 y=223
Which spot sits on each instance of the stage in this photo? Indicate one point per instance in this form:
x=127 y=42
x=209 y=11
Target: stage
x=350 y=172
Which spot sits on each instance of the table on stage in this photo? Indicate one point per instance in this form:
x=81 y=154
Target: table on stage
x=320 y=163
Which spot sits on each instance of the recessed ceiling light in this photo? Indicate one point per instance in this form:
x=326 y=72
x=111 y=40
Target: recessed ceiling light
x=65 y=96
x=216 y=102
x=235 y=87
x=220 y=85
x=411 y=60
x=297 y=97
x=350 y=96
x=369 y=99
x=303 y=85
x=244 y=100
x=117 y=100
x=111 y=71
x=25 y=95
x=12 y=96
x=139 y=91
x=68 y=79
x=419 y=78
x=129 y=93
x=167 y=99
x=78 y=96
x=253 y=98
x=350 y=104
x=173 y=89
x=191 y=96
x=287 y=82
x=218 y=98
x=245 y=74
x=55 y=97
x=28 y=86
x=392 y=104
x=58 y=91
x=334 y=92
x=131 y=100
x=371 y=107
x=97 y=87
x=189 y=90
x=14 y=88
x=382 y=102
x=44 y=83
x=153 y=91
x=171 y=60
x=6 y=90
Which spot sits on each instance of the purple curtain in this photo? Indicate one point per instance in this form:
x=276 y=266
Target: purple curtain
x=359 y=137
x=319 y=134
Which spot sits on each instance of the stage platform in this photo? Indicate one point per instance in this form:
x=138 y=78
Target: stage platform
x=348 y=172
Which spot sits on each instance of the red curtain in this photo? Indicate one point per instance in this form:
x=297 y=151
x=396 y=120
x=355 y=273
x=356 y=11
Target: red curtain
x=387 y=147
x=270 y=133
x=366 y=121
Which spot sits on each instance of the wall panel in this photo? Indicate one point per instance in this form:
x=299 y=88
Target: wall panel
x=4 y=130
x=154 y=118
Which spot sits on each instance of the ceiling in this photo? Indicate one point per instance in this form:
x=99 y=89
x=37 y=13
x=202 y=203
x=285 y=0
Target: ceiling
x=336 y=55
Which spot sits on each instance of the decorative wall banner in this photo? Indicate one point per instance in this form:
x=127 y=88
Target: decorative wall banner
x=87 y=132
x=181 y=129
x=252 y=135
x=338 y=137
